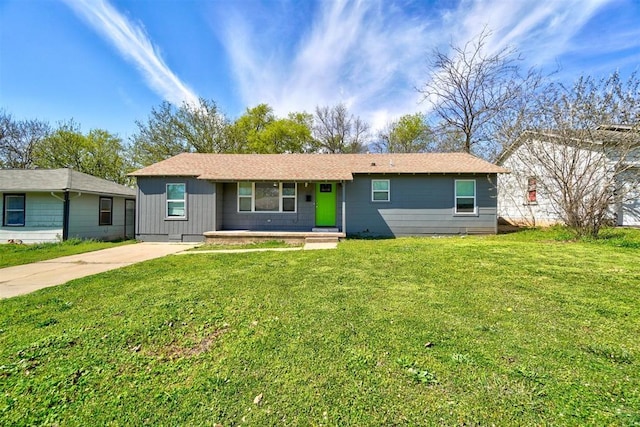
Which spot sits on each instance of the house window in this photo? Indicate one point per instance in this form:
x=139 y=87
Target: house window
x=288 y=196
x=176 y=200
x=14 y=210
x=380 y=190
x=267 y=197
x=465 y=196
x=245 y=196
x=532 y=195
x=326 y=188
x=106 y=211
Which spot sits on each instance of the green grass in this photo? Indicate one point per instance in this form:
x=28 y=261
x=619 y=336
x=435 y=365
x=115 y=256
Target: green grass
x=11 y=254
x=269 y=244
x=520 y=329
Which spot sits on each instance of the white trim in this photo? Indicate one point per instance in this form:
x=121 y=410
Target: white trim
x=456 y=197
x=281 y=198
x=388 y=191
x=168 y=200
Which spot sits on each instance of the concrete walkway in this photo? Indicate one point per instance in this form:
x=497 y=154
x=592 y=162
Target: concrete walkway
x=23 y=279
x=307 y=247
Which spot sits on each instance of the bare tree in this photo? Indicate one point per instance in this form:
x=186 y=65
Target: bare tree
x=468 y=88
x=408 y=134
x=580 y=154
x=18 y=140
x=337 y=131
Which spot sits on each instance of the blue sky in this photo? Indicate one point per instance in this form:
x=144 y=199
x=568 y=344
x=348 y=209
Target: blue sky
x=107 y=63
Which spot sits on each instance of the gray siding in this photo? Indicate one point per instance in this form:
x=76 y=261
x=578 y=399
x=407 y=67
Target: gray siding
x=84 y=218
x=151 y=210
x=420 y=204
x=302 y=220
x=219 y=205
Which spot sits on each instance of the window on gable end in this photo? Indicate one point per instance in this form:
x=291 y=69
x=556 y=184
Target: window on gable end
x=532 y=193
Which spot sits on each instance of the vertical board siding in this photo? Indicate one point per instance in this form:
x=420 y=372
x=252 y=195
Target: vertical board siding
x=201 y=210
x=84 y=218
x=420 y=204
x=301 y=220
x=43 y=219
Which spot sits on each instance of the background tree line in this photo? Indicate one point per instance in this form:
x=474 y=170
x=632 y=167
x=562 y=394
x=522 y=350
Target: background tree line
x=170 y=130
x=476 y=100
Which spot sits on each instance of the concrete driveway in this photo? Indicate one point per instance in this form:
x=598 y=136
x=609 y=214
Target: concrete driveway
x=23 y=279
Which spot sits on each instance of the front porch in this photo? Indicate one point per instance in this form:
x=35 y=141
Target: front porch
x=235 y=237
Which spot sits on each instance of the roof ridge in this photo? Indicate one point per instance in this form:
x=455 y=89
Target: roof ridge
x=69 y=178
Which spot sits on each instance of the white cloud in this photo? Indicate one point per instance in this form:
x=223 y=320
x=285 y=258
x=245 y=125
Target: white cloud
x=353 y=52
x=372 y=54
x=132 y=42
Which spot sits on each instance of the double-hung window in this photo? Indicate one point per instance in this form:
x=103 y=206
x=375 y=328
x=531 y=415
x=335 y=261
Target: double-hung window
x=14 y=210
x=380 y=190
x=267 y=197
x=105 y=216
x=465 y=196
x=176 y=200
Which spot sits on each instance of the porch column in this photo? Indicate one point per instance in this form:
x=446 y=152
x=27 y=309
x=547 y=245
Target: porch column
x=344 y=207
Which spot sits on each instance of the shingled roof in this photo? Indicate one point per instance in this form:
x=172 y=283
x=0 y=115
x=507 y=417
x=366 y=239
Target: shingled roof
x=24 y=180
x=313 y=167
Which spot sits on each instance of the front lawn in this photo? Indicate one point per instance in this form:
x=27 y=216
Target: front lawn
x=12 y=254
x=499 y=330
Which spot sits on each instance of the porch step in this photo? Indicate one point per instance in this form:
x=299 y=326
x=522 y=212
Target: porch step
x=327 y=239
x=325 y=230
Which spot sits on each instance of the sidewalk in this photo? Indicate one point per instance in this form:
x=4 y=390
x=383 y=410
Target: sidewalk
x=23 y=279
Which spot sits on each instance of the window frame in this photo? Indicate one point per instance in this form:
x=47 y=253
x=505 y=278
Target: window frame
x=101 y=211
x=168 y=201
x=374 y=191
x=532 y=189
x=5 y=209
x=281 y=197
x=456 y=197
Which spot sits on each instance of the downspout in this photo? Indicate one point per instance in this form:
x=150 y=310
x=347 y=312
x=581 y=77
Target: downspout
x=65 y=217
x=344 y=207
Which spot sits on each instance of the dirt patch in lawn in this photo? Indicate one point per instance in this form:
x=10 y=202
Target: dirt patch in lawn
x=189 y=346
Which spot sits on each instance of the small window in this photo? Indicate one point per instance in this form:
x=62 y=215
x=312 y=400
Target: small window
x=380 y=190
x=465 y=196
x=106 y=211
x=325 y=188
x=532 y=194
x=176 y=200
x=288 y=197
x=14 y=210
x=245 y=196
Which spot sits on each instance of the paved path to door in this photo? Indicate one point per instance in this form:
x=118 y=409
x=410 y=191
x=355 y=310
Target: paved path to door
x=23 y=279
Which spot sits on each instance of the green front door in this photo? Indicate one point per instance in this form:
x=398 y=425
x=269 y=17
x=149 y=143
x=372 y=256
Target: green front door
x=326 y=204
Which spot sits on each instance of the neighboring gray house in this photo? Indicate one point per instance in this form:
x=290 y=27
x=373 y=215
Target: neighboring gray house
x=181 y=198
x=49 y=205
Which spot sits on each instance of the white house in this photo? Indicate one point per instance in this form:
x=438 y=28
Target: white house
x=603 y=163
x=49 y=205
